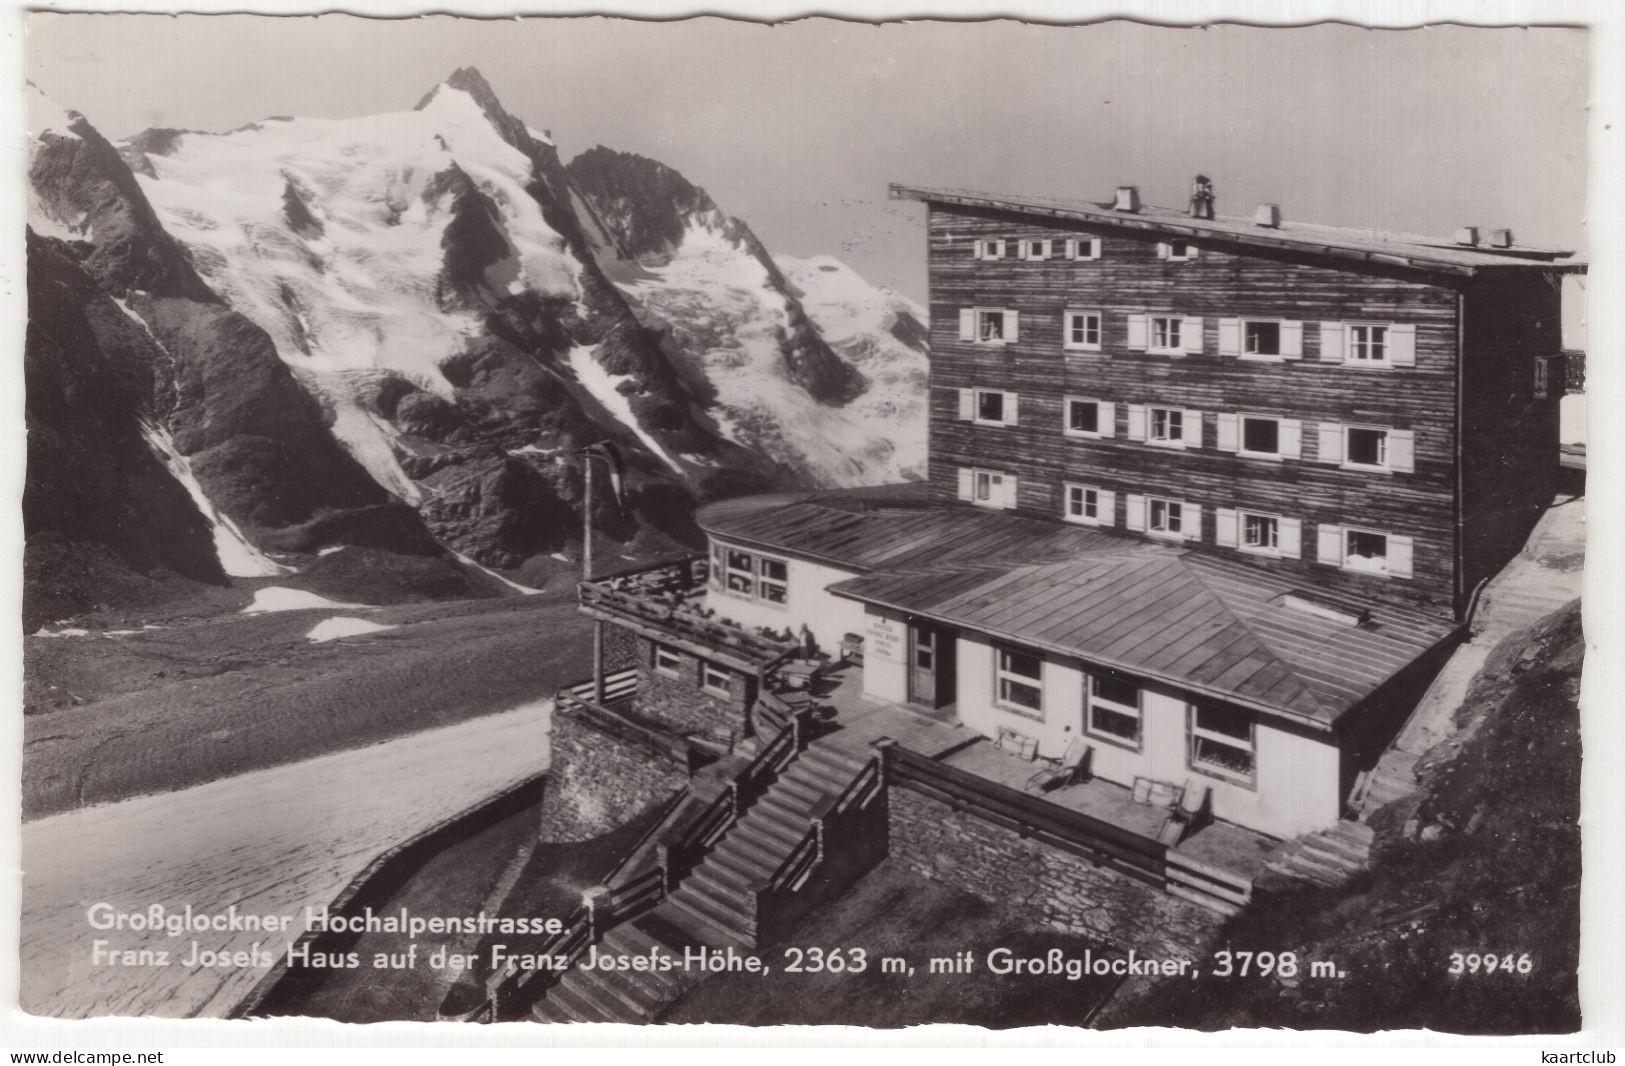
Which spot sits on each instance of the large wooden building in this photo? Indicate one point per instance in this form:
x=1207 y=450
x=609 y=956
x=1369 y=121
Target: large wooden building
x=1211 y=494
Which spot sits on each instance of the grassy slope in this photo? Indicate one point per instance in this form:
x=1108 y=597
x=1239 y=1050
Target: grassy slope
x=1503 y=877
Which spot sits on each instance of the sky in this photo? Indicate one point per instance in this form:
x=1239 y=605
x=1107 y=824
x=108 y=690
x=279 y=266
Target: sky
x=798 y=128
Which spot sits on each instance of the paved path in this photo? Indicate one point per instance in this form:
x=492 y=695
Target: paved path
x=271 y=841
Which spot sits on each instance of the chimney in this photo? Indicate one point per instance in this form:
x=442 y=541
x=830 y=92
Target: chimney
x=1501 y=238
x=1268 y=215
x=1467 y=235
x=1128 y=198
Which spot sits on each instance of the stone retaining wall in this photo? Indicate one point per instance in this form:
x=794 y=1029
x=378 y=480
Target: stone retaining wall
x=597 y=783
x=682 y=705
x=1048 y=886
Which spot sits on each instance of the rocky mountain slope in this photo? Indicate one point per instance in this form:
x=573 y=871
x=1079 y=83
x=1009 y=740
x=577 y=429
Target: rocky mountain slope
x=395 y=333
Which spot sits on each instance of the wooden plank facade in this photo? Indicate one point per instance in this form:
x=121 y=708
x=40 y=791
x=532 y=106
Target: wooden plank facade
x=1482 y=447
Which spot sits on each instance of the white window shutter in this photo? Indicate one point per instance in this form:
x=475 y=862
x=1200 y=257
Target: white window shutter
x=1329 y=545
x=967 y=404
x=1229 y=336
x=1139 y=332
x=1191 y=430
x=1106 y=419
x=1191 y=251
x=1291 y=438
x=1010 y=409
x=1009 y=492
x=967 y=325
x=998 y=248
x=1136 y=422
x=1094 y=248
x=1072 y=247
x=1292 y=340
x=1229 y=437
x=1331 y=442
x=1190 y=522
x=1012 y=326
x=978 y=250
x=967 y=483
x=1048 y=248
x=1402 y=345
x=1331 y=342
x=1402 y=451
x=1134 y=518
x=1290 y=538
x=1224 y=530
x=1401 y=553
x=1163 y=250
x=1108 y=507
x=1190 y=336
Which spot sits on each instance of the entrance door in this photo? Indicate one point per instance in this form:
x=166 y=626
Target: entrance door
x=930 y=665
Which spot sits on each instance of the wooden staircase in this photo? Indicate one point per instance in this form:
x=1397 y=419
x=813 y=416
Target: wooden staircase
x=1329 y=857
x=715 y=906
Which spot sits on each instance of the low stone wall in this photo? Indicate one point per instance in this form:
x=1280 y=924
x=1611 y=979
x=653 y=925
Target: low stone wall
x=597 y=783
x=1050 y=887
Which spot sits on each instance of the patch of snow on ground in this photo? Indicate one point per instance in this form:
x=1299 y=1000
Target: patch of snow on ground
x=1573 y=418
x=331 y=550
x=603 y=386
x=70 y=632
x=334 y=628
x=277 y=598
x=525 y=589
x=238 y=557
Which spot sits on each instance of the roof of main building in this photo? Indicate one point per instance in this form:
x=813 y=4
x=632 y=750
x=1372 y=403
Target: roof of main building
x=1201 y=623
x=1373 y=246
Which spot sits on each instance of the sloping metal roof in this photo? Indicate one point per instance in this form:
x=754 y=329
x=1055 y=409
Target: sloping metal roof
x=1198 y=622
x=1372 y=246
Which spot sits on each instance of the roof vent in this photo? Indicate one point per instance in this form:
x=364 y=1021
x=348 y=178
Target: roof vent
x=1467 y=235
x=1501 y=238
x=1268 y=215
x=1128 y=198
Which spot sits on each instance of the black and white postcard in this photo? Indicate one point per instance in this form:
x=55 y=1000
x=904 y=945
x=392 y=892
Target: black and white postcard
x=558 y=521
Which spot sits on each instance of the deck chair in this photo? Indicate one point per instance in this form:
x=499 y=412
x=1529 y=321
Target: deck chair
x=1190 y=812
x=1073 y=766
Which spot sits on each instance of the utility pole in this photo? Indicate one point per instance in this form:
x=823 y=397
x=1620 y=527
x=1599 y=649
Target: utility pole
x=587 y=456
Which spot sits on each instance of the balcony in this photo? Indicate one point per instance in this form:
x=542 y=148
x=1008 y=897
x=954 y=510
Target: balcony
x=666 y=603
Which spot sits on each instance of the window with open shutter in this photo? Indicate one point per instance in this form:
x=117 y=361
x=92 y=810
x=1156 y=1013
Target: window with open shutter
x=967 y=482
x=1010 y=399
x=1292 y=537
x=967 y=404
x=1229 y=336
x=967 y=324
x=1108 y=419
x=1108 y=507
x=1012 y=326
x=1136 y=422
x=1192 y=428
x=1190 y=336
x=1229 y=439
x=1191 y=526
x=1224 y=527
x=1401 y=553
x=1291 y=438
x=1010 y=492
x=1292 y=340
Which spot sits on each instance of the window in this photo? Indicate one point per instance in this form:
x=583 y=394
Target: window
x=1036 y=249
x=1368 y=345
x=1261 y=338
x=989 y=249
x=1222 y=743
x=1365 y=550
x=1167 y=425
x=989 y=488
x=1114 y=710
x=1166 y=517
x=1260 y=533
x=1260 y=436
x=667 y=661
x=990 y=326
x=1020 y=680
x=1165 y=333
x=989 y=406
x=1083 y=418
x=1083 y=248
x=1083 y=331
x=1366 y=447
x=714 y=679
x=1088 y=505
x=1177 y=251
x=757 y=577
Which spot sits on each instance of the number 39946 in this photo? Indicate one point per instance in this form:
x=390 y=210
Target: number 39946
x=1489 y=962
